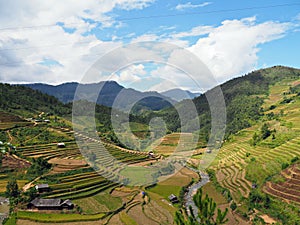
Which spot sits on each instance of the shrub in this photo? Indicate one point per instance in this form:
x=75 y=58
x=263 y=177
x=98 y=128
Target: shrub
x=233 y=206
x=295 y=159
x=284 y=166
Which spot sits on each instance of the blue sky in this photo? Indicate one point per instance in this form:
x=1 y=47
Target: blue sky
x=59 y=41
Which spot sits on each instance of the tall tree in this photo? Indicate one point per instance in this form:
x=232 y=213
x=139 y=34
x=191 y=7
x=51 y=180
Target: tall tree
x=206 y=216
x=12 y=189
x=265 y=131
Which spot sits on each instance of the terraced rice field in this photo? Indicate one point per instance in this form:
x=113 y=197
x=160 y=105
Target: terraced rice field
x=289 y=190
x=49 y=151
x=64 y=165
x=80 y=185
x=108 y=156
x=176 y=142
x=239 y=164
x=14 y=162
x=8 y=121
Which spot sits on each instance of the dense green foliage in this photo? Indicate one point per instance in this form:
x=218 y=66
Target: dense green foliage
x=39 y=167
x=20 y=99
x=12 y=189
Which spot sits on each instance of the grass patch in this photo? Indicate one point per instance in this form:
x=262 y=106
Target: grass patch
x=166 y=190
x=55 y=218
x=112 y=203
x=212 y=192
x=90 y=205
x=12 y=220
x=198 y=156
x=3 y=184
x=137 y=175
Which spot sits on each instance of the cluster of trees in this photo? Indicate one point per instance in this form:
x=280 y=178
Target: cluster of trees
x=19 y=98
x=264 y=133
x=295 y=90
x=39 y=167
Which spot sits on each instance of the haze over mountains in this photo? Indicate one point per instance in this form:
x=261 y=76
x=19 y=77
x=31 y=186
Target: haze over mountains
x=179 y=94
x=110 y=91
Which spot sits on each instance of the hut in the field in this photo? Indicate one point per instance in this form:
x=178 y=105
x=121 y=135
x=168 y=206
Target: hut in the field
x=50 y=204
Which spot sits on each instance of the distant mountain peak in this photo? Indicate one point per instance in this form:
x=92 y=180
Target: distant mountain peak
x=178 y=94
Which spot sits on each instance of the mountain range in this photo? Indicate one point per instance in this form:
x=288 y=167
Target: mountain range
x=113 y=95
x=243 y=96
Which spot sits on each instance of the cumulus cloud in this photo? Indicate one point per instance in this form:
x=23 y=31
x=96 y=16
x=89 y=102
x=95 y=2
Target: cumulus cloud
x=231 y=48
x=36 y=30
x=227 y=50
x=133 y=73
x=189 y=5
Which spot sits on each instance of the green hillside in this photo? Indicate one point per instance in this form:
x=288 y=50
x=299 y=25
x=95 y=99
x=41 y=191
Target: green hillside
x=244 y=97
x=26 y=102
x=259 y=165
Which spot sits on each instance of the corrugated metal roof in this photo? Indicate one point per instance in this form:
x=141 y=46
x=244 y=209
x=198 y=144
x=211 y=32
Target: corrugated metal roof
x=40 y=202
x=55 y=202
x=39 y=186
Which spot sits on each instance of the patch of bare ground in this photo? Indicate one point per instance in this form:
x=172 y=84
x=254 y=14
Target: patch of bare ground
x=138 y=215
x=64 y=165
x=220 y=176
x=115 y=220
x=74 y=162
x=268 y=219
x=230 y=215
x=157 y=213
x=14 y=162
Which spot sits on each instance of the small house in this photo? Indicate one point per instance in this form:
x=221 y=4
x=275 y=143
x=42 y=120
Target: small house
x=151 y=154
x=173 y=199
x=41 y=188
x=50 y=204
x=61 y=145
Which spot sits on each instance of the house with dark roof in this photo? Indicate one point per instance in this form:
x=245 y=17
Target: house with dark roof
x=42 y=188
x=61 y=145
x=173 y=199
x=50 y=204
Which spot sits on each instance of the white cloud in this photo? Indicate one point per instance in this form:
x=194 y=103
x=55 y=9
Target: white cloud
x=189 y=5
x=231 y=48
x=195 y=31
x=40 y=38
x=228 y=50
x=132 y=73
